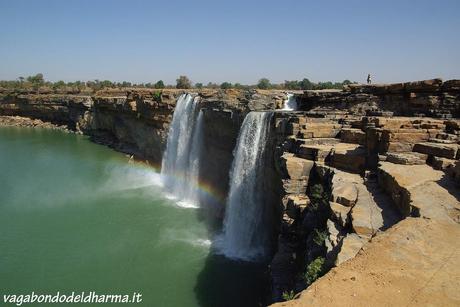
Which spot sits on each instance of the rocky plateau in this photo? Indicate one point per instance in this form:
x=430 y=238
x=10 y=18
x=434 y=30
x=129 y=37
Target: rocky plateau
x=365 y=179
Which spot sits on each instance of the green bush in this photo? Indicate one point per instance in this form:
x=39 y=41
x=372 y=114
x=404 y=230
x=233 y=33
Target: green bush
x=318 y=197
x=288 y=295
x=314 y=270
x=156 y=95
x=319 y=237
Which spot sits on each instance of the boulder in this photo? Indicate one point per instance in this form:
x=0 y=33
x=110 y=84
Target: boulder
x=295 y=173
x=295 y=167
x=406 y=158
x=351 y=245
x=315 y=152
x=350 y=159
x=333 y=240
x=295 y=186
x=442 y=163
x=454 y=171
x=340 y=213
x=320 y=130
x=403 y=139
x=352 y=135
x=295 y=204
x=436 y=149
x=419 y=190
x=366 y=216
x=345 y=193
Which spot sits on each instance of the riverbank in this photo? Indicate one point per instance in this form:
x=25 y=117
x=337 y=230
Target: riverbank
x=19 y=121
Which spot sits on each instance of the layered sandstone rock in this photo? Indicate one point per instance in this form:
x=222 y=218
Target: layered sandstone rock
x=420 y=98
x=419 y=190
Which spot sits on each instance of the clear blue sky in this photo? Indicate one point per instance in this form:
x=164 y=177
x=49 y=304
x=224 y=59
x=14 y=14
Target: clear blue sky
x=236 y=41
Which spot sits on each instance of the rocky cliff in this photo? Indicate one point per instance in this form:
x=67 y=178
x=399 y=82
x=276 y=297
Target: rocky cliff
x=137 y=121
x=350 y=170
x=431 y=98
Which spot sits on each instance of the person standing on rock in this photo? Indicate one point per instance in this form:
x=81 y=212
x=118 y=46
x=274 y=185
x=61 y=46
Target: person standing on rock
x=369 y=81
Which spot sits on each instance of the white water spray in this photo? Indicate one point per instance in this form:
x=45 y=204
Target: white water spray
x=181 y=160
x=245 y=233
x=290 y=104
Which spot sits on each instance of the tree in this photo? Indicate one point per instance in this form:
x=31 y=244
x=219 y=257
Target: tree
x=106 y=83
x=346 y=82
x=183 y=82
x=199 y=85
x=212 y=85
x=59 y=84
x=226 y=85
x=292 y=85
x=125 y=84
x=305 y=84
x=36 y=80
x=264 y=84
x=159 y=84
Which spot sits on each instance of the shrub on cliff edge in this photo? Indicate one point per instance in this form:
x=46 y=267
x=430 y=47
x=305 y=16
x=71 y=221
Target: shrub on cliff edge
x=288 y=295
x=314 y=270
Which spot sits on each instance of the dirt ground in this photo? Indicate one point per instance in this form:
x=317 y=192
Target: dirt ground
x=415 y=263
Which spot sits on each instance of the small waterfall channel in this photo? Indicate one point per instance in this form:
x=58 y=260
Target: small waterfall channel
x=290 y=104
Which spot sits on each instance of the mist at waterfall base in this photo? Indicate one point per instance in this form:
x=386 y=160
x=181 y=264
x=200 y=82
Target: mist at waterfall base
x=77 y=216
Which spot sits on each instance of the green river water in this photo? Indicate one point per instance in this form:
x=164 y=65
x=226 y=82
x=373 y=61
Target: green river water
x=76 y=216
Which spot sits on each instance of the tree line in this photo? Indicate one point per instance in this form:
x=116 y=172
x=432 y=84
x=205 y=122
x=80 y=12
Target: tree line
x=37 y=81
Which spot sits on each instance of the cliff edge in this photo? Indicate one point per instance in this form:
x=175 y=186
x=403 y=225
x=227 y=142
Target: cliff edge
x=415 y=263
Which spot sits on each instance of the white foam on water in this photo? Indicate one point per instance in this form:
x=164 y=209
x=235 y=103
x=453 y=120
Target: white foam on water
x=189 y=237
x=187 y=204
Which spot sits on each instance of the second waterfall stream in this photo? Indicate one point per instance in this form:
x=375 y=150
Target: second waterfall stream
x=245 y=235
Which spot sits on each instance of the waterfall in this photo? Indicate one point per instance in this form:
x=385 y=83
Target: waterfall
x=246 y=233
x=180 y=165
x=194 y=161
x=290 y=104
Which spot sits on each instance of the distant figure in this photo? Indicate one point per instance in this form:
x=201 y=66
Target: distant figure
x=369 y=81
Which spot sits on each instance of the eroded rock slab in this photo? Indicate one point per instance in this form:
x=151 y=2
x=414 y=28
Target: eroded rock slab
x=419 y=190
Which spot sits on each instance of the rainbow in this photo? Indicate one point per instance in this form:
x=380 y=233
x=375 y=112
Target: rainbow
x=205 y=188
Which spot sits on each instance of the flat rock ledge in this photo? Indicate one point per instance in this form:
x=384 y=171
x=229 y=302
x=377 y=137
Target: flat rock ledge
x=415 y=263
x=19 y=121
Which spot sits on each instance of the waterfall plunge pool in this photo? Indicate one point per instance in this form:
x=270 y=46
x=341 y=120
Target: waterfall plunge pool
x=76 y=216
